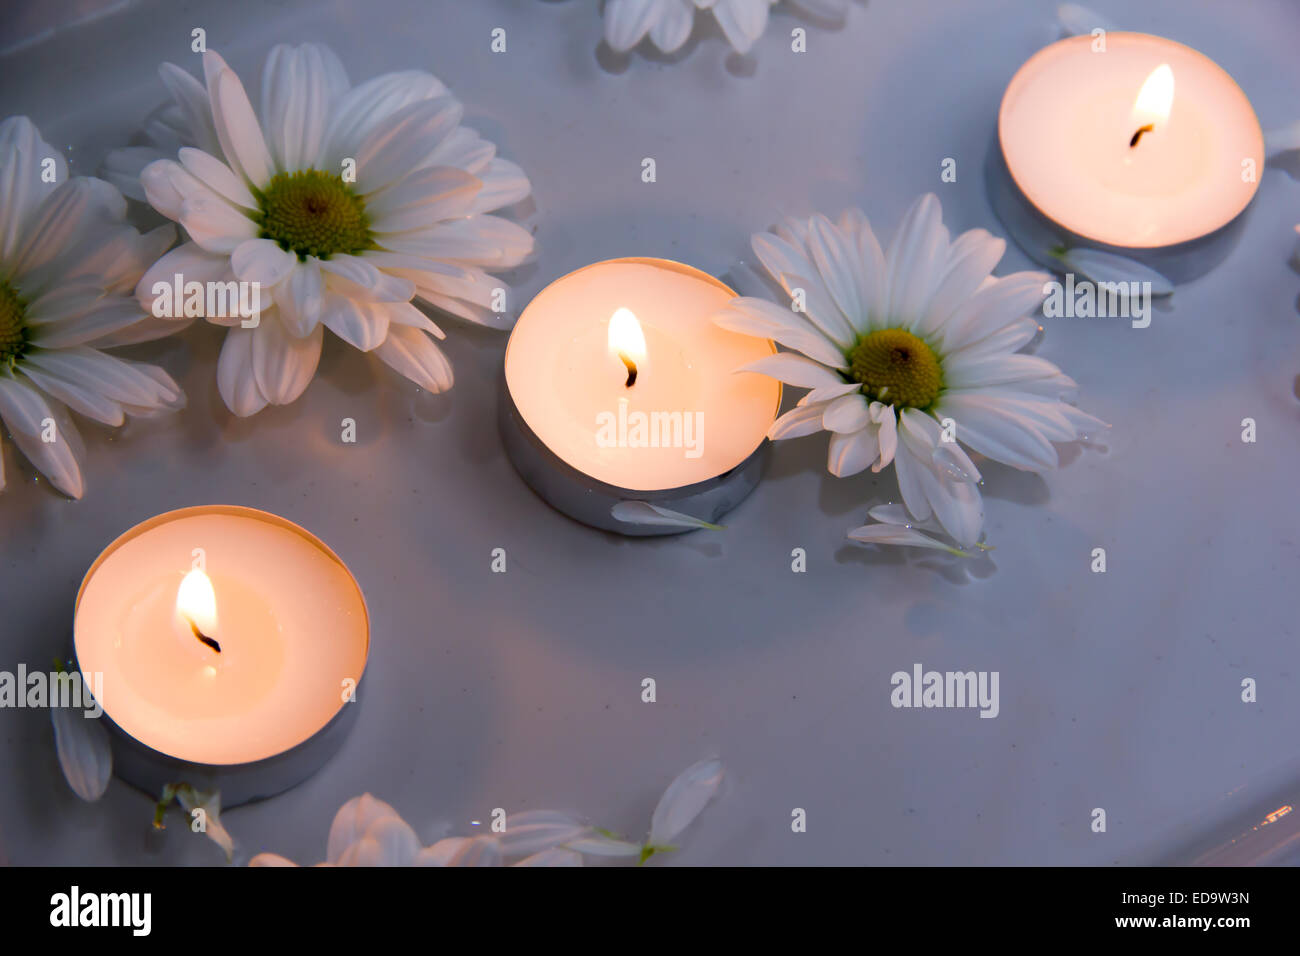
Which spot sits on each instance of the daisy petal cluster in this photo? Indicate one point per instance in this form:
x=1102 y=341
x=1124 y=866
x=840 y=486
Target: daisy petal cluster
x=68 y=264
x=910 y=353
x=341 y=203
x=368 y=832
x=668 y=23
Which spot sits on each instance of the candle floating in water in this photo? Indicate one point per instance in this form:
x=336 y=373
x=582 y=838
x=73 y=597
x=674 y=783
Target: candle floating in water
x=1130 y=144
x=619 y=387
x=230 y=642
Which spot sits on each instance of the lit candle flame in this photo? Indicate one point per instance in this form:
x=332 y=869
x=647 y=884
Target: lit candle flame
x=1154 y=101
x=196 y=606
x=627 y=341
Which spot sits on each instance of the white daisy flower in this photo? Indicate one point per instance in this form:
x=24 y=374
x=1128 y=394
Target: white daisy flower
x=908 y=352
x=68 y=263
x=342 y=202
x=668 y=23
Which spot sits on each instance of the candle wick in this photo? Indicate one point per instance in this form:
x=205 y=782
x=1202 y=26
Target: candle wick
x=204 y=638
x=631 y=369
x=1138 y=135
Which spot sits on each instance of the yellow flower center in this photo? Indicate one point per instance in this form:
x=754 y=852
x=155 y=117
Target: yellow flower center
x=13 y=325
x=895 y=367
x=313 y=213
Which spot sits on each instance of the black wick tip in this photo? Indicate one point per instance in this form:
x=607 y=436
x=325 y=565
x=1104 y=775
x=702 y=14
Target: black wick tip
x=211 y=642
x=1138 y=135
x=631 y=369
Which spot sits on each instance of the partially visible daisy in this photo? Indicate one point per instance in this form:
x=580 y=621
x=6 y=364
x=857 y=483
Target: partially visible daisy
x=668 y=23
x=342 y=202
x=910 y=353
x=68 y=263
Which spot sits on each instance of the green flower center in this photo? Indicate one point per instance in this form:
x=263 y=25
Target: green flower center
x=313 y=213
x=13 y=325
x=895 y=367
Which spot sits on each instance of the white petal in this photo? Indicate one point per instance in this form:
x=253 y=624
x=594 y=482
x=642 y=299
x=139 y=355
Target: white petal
x=215 y=225
x=217 y=176
x=743 y=21
x=635 y=512
x=191 y=99
x=555 y=856
x=75 y=396
x=798 y=421
x=538 y=830
x=75 y=212
x=1077 y=19
x=682 y=802
x=299 y=86
x=84 y=754
x=191 y=262
x=480 y=851
x=599 y=845
x=261 y=261
x=236 y=380
x=105 y=375
x=997 y=304
x=993 y=428
x=885 y=416
x=25 y=412
x=441 y=853
x=363 y=325
x=908 y=537
x=979 y=371
x=852 y=453
x=827 y=392
x=970 y=261
x=765 y=319
x=361 y=109
x=479 y=240
x=237 y=128
x=22 y=187
x=300 y=298
x=836 y=257
x=434 y=193
x=410 y=352
x=270 y=859
x=673 y=28
x=284 y=365
x=1108 y=267
x=795 y=271
x=404 y=141
x=916 y=258
x=112 y=316
x=793 y=369
x=352 y=821
x=627 y=21
x=389 y=841
x=503 y=184
x=847 y=414
x=357 y=278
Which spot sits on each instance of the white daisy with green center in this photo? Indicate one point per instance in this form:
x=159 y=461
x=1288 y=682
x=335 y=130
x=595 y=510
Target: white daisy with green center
x=68 y=264
x=344 y=203
x=894 y=343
